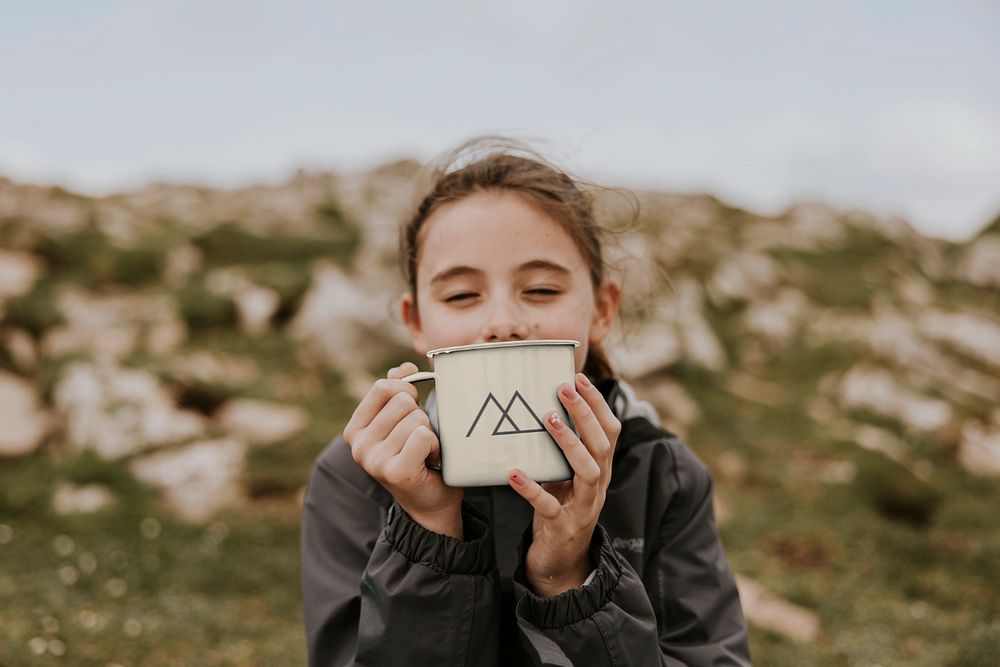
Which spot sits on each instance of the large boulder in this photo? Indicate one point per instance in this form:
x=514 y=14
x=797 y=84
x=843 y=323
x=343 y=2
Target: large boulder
x=807 y=227
x=974 y=335
x=18 y=273
x=771 y=612
x=261 y=422
x=701 y=345
x=347 y=323
x=111 y=327
x=980 y=263
x=85 y=499
x=255 y=304
x=778 y=321
x=743 y=277
x=875 y=390
x=119 y=411
x=24 y=423
x=649 y=349
x=979 y=449
x=195 y=480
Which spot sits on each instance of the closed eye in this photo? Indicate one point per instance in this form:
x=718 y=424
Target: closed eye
x=459 y=297
x=543 y=291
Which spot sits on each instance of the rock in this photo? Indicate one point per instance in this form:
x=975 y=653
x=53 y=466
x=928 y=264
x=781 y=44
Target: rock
x=24 y=423
x=346 y=324
x=979 y=449
x=884 y=442
x=914 y=291
x=652 y=348
x=213 y=368
x=255 y=306
x=21 y=348
x=117 y=411
x=876 y=391
x=778 y=321
x=814 y=226
x=195 y=480
x=18 y=273
x=181 y=261
x=807 y=227
x=895 y=338
x=743 y=277
x=980 y=263
x=970 y=334
x=699 y=340
x=679 y=410
x=838 y=472
x=47 y=210
x=109 y=328
x=72 y=499
x=261 y=422
x=771 y=612
x=165 y=336
x=753 y=389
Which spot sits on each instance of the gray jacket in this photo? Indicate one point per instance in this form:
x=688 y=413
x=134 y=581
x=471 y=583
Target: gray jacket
x=381 y=590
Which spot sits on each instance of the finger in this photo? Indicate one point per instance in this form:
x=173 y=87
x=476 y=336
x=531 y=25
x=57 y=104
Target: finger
x=420 y=445
x=585 y=468
x=543 y=502
x=605 y=416
x=371 y=405
x=396 y=439
x=401 y=371
x=398 y=407
x=589 y=429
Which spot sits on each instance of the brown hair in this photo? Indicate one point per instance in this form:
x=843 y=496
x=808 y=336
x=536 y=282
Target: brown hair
x=498 y=164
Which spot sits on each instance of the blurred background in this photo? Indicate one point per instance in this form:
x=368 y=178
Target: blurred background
x=198 y=214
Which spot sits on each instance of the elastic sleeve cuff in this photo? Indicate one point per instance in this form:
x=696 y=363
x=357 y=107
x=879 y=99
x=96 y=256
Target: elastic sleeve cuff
x=575 y=604
x=473 y=555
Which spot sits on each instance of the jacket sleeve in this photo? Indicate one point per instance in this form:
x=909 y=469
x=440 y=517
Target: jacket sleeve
x=684 y=613
x=379 y=589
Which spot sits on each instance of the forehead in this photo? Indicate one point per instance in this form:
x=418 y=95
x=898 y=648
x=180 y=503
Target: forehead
x=493 y=231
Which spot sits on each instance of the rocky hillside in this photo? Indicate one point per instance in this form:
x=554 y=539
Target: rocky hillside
x=196 y=348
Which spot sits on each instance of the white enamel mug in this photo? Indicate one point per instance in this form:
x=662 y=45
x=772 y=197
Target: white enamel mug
x=491 y=400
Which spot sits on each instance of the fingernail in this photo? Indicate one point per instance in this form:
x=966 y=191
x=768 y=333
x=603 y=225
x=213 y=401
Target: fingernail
x=567 y=392
x=556 y=422
x=583 y=379
x=517 y=477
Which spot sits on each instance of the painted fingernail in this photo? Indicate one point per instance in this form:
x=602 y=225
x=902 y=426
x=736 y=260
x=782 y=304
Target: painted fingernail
x=567 y=392
x=583 y=379
x=556 y=422
x=517 y=477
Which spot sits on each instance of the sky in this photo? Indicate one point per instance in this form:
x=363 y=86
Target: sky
x=890 y=106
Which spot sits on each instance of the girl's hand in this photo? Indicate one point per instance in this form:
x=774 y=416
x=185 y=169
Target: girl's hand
x=567 y=512
x=391 y=438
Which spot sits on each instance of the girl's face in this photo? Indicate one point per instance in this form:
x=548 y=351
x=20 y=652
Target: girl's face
x=492 y=268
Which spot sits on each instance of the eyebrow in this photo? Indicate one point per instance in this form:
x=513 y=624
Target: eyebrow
x=533 y=265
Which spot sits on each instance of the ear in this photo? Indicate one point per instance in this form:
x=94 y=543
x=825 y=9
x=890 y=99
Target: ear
x=607 y=300
x=408 y=309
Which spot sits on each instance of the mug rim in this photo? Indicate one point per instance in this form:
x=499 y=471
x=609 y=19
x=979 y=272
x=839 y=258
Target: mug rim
x=506 y=343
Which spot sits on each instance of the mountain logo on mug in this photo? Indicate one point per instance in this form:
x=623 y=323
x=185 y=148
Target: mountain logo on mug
x=517 y=417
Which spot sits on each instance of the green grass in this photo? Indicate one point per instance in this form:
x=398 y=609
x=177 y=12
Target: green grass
x=229 y=244
x=134 y=586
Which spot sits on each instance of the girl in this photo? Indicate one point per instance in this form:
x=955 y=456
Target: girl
x=621 y=565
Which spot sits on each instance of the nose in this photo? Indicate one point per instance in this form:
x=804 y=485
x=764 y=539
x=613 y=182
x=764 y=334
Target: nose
x=505 y=323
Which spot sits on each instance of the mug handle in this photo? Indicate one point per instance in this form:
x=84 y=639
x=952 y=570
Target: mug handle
x=422 y=376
